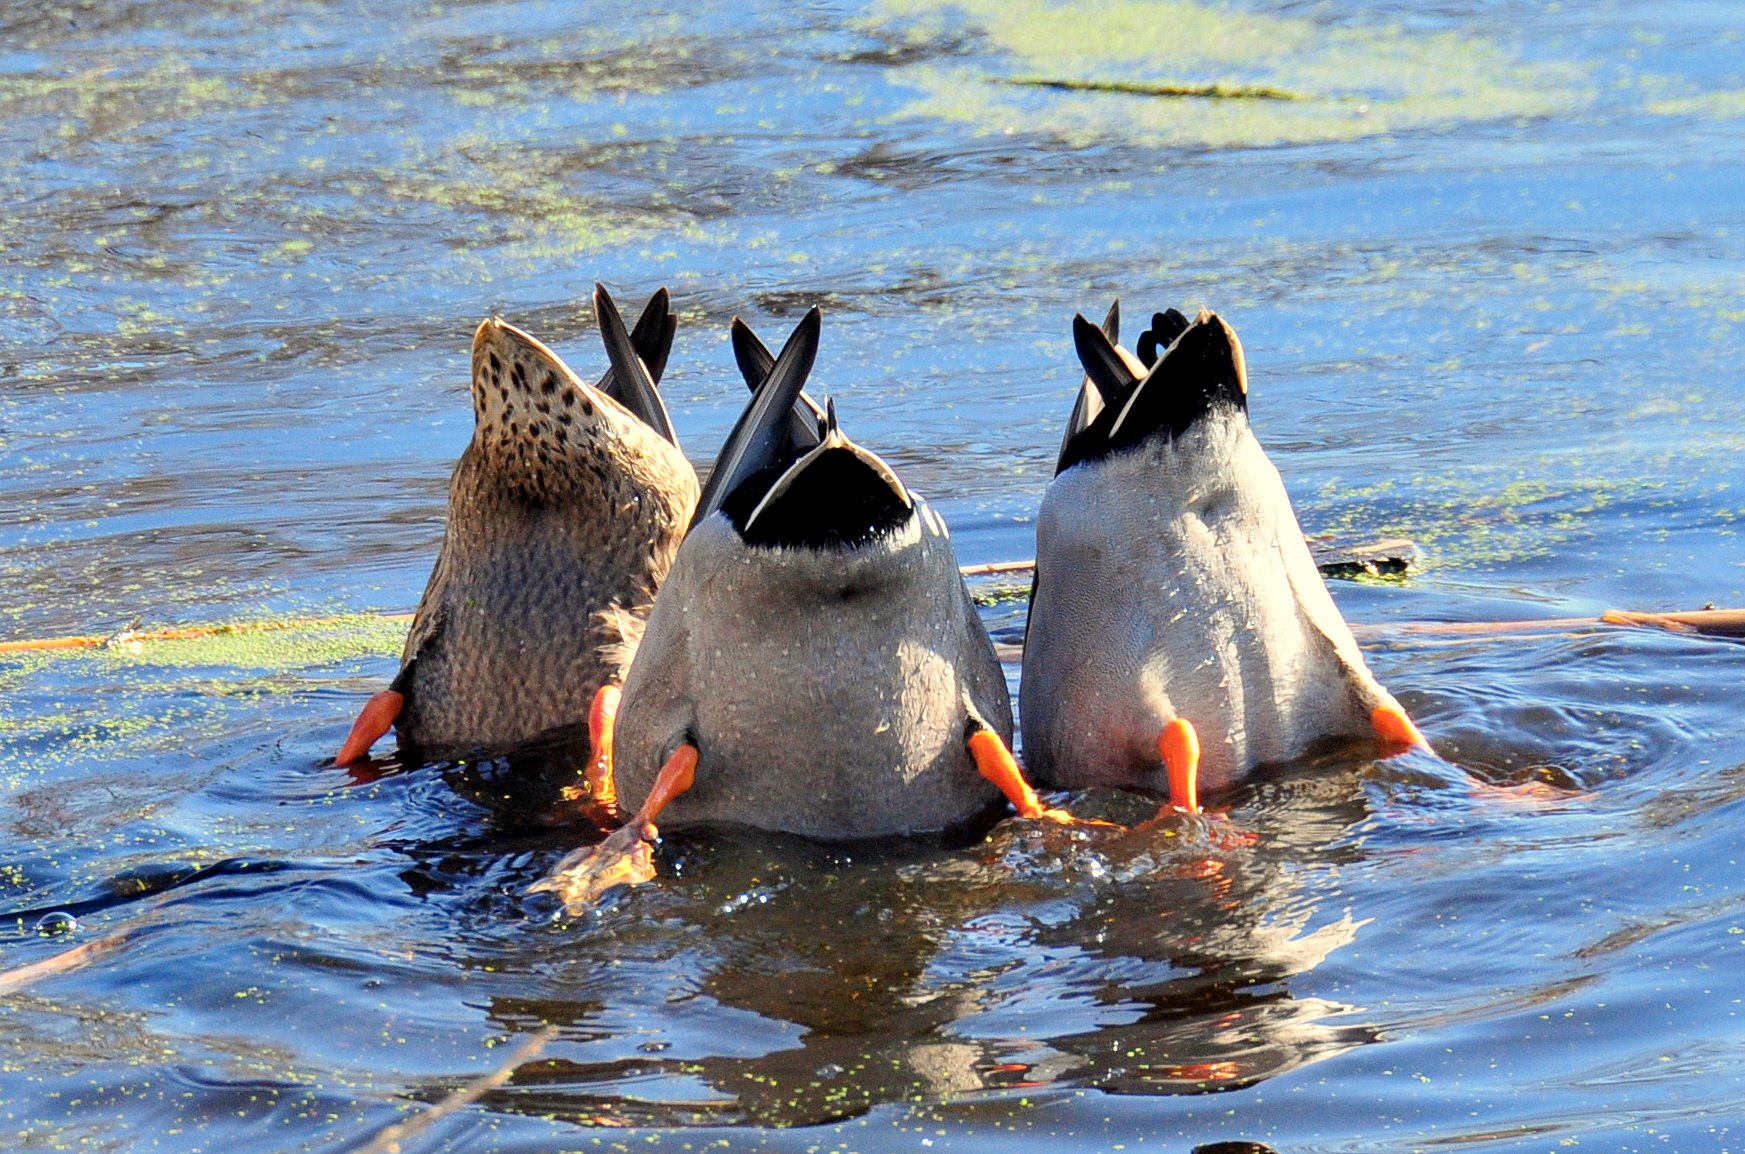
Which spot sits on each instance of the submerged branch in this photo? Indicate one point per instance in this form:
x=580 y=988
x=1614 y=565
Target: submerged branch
x=391 y=1139
x=65 y=962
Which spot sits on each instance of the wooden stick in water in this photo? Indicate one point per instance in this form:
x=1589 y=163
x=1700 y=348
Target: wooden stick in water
x=996 y=568
x=64 y=962
x=1703 y=622
x=392 y=1139
x=1391 y=555
x=1708 y=622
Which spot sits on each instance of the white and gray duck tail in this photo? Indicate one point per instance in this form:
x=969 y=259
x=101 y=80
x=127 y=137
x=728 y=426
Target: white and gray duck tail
x=1183 y=371
x=787 y=475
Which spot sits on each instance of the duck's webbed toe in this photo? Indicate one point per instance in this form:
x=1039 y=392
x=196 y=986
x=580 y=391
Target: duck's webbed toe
x=625 y=858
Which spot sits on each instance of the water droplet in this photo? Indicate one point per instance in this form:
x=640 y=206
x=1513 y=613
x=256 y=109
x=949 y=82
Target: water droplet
x=56 y=924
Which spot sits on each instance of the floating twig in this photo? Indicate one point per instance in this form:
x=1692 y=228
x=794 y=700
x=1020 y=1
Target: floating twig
x=392 y=1139
x=133 y=636
x=1708 y=622
x=1698 y=622
x=996 y=568
x=66 y=961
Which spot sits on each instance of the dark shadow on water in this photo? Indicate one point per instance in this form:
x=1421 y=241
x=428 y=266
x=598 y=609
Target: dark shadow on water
x=140 y=884
x=805 y=983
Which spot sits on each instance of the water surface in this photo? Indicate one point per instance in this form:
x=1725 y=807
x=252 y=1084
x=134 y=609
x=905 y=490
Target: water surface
x=1487 y=261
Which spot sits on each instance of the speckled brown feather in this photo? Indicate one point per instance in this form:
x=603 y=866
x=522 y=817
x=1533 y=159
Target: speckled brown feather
x=564 y=515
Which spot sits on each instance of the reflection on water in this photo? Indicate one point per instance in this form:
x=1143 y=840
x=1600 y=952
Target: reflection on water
x=801 y=984
x=1495 y=311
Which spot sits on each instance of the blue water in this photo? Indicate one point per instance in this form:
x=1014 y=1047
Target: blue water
x=245 y=247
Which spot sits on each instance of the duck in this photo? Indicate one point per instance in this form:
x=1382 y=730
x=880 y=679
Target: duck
x=565 y=512
x=814 y=664
x=1179 y=634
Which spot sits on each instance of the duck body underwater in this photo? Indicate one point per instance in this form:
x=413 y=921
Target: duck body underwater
x=853 y=676
x=564 y=514
x=814 y=663
x=1178 y=627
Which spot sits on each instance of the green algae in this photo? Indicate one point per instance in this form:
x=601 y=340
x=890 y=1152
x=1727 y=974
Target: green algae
x=525 y=202
x=1114 y=71
x=1474 y=521
x=110 y=102
x=1727 y=104
x=133 y=699
x=265 y=646
x=488 y=179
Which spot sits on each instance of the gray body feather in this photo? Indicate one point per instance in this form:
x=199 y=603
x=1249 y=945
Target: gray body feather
x=1172 y=580
x=828 y=691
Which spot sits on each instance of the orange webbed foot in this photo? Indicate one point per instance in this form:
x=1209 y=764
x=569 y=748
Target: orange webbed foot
x=996 y=763
x=602 y=719
x=1393 y=727
x=626 y=857
x=376 y=718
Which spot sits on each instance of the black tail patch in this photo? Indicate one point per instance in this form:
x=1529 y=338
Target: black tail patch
x=760 y=441
x=787 y=477
x=1200 y=368
x=839 y=501
x=631 y=380
x=1166 y=326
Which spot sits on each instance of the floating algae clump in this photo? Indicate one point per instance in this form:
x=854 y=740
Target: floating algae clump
x=273 y=646
x=1187 y=74
x=1728 y=104
x=144 y=698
